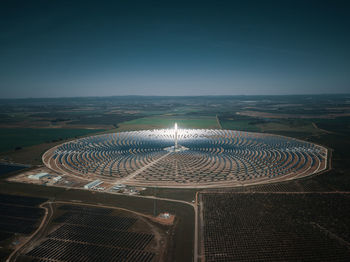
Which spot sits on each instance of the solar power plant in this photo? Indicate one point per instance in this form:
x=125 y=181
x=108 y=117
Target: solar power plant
x=92 y=234
x=200 y=158
x=19 y=216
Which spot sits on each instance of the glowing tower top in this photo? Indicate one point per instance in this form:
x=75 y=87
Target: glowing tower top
x=176 y=146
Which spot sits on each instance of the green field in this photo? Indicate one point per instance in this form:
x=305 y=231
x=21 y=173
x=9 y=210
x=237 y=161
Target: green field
x=305 y=127
x=168 y=122
x=242 y=125
x=12 y=138
x=295 y=127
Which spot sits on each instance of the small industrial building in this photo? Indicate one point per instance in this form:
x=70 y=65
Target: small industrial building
x=93 y=184
x=57 y=178
x=119 y=186
x=38 y=176
x=165 y=215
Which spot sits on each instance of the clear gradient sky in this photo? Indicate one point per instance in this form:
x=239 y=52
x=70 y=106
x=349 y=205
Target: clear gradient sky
x=63 y=48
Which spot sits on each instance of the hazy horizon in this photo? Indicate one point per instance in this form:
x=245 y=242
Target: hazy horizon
x=174 y=96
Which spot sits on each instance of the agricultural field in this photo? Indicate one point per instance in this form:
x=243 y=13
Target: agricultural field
x=8 y=168
x=17 y=138
x=165 y=121
x=275 y=227
x=289 y=127
x=242 y=125
x=32 y=123
x=340 y=125
x=312 y=211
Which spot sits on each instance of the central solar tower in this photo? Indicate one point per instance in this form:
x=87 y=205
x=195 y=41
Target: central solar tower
x=176 y=146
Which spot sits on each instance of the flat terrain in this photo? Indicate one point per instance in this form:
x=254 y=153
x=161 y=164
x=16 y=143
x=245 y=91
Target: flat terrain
x=313 y=208
x=50 y=120
x=167 y=121
x=17 y=138
x=6 y=168
x=275 y=226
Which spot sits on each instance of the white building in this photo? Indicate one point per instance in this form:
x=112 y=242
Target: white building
x=57 y=178
x=164 y=215
x=93 y=184
x=38 y=176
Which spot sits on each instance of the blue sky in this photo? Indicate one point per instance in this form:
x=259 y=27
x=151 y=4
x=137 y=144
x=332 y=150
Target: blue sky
x=102 y=48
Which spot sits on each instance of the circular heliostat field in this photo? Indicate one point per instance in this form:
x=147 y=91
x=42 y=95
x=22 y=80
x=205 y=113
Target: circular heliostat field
x=202 y=158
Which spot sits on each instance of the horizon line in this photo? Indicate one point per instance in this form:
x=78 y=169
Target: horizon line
x=169 y=96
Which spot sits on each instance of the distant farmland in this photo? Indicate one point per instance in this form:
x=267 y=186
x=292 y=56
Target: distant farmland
x=12 y=138
x=168 y=121
x=243 y=125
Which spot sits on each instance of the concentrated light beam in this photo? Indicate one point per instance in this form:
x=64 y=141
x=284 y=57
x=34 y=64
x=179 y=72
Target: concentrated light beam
x=175 y=135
